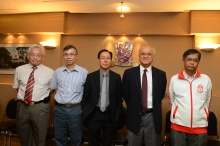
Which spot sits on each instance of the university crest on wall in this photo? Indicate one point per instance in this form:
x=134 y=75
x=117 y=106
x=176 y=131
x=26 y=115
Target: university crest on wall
x=123 y=53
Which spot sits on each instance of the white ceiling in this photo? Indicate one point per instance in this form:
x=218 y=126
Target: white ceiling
x=105 y=6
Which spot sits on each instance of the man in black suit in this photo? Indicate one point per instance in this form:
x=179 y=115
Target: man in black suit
x=143 y=88
x=102 y=102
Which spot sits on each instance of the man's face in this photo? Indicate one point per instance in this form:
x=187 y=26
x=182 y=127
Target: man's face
x=146 y=56
x=35 y=56
x=105 y=61
x=70 y=56
x=191 y=63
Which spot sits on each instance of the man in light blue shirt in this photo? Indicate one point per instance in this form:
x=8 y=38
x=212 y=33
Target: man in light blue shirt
x=68 y=81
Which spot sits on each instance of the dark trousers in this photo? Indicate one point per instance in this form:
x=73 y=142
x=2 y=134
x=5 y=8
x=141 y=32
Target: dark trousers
x=32 y=123
x=151 y=138
x=183 y=139
x=68 y=123
x=98 y=121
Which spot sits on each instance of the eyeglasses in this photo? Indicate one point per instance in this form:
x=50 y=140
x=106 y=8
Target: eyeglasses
x=192 y=60
x=69 y=55
x=103 y=58
x=149 y=54
x=36 y=55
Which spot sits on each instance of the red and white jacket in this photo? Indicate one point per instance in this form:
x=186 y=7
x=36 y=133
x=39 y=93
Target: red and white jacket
x=189 y=102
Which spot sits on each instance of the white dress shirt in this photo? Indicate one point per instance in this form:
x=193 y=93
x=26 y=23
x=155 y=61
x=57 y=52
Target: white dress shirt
x=149 y=84
x=42 y=78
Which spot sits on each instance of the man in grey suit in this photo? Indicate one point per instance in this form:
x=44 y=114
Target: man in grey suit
x=143 y=88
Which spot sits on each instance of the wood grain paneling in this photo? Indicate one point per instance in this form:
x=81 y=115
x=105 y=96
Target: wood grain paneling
x=32 y=22
x=133 y=23
x=205 y=21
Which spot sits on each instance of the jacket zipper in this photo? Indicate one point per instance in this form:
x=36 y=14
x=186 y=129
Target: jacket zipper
x=191 y=106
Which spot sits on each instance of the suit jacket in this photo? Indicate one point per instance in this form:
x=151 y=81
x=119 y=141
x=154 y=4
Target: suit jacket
x=91 y=95
x=131 y=92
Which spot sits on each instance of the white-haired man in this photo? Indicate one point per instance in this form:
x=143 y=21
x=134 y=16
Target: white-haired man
x=32 y=81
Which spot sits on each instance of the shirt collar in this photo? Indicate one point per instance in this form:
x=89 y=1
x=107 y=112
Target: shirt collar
x=31 y=66
x=182 y=76
x=76 y=68
x=148 y=69
x=102 y=73
x=188 y=77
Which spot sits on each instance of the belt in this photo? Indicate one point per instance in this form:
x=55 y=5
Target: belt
x=45 y=100
x=150 y=110
x=32 y=102
x=67 y=105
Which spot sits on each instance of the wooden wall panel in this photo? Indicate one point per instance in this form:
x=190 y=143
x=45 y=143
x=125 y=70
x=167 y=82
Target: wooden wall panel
x=205 y=21
x=32 y=22
x=133 y=23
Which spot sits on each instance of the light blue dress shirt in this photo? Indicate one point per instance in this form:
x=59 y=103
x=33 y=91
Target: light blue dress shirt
x=69 y=84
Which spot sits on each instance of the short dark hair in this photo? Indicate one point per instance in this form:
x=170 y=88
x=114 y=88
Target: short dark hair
x=191 y=51
x=104 y=50
x=70 y=47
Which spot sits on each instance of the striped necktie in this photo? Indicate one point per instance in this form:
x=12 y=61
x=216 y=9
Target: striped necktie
x=29 y=87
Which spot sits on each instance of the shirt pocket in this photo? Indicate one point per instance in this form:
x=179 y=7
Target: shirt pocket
x=42 y=82
x=78 y=88
x=71 y=88
x=63 y=86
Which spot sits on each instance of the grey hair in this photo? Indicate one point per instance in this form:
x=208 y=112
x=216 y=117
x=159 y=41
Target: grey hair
x=37 y=47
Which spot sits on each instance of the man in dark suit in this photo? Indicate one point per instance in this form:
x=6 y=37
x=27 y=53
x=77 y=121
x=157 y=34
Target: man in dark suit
x=102 y=102
x=143 y=88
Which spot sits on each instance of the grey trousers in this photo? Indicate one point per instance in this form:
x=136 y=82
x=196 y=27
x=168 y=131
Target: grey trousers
x=32 y=123
x=147 y=130
x=185 y=139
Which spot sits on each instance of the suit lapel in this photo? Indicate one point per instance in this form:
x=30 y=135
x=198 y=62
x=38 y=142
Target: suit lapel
x=137 y=80
x=154 y=81
x=110 y=81
x=97 y=81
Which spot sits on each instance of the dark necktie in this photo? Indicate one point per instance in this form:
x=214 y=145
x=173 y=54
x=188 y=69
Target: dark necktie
x=144 y=91
x=29 y=87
